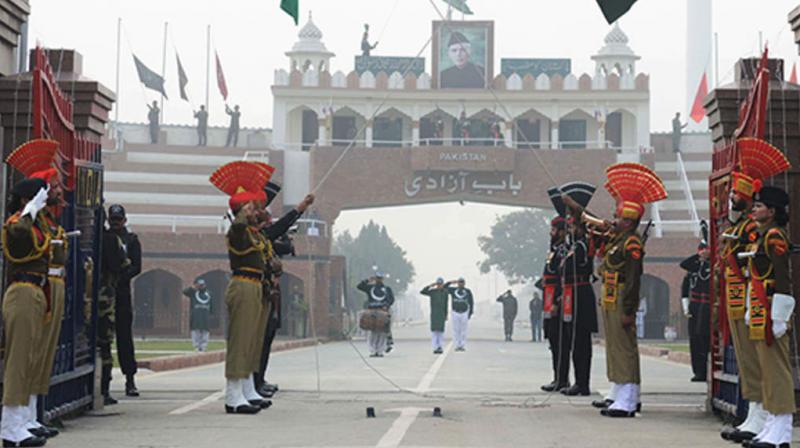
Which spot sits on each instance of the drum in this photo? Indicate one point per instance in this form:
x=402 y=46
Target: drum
x=374 y=320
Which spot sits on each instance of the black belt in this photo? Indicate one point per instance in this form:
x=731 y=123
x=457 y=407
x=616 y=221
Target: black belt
x=37 y=279
x=248 y=274
x=580 y=280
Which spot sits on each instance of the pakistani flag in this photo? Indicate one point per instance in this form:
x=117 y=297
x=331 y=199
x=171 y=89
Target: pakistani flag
x=459 y=5
x=292 y=7
x=149 y=78
x=614 y=9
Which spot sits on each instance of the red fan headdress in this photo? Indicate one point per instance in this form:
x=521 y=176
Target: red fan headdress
x=242 y=181
x=758 y=160
x=633 y=185
x=35 y=159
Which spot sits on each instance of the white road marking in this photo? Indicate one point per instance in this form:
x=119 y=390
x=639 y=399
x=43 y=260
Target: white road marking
x=199 y=404
x=427 y=380
x=399 y=428
x=403 y=423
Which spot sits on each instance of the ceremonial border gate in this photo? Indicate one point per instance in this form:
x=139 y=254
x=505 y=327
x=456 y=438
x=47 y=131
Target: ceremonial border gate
x=79 y=161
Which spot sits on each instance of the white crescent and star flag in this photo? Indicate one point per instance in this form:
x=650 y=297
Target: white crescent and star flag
x=182 y=79
x=149 y=78
x=223 y=87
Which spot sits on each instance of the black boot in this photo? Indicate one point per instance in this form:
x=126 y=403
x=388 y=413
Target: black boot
x=30 y=441
x=130 y=387
x=105 y=386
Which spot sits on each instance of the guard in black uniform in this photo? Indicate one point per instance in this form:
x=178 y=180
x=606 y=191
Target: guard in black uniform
x=277 y=234
x=123 y=308
x=697 y=307
x=579 y=309
x=551 y=287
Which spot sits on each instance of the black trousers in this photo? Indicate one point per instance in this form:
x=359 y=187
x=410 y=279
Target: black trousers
x=699 y=346
x=508 y=324
x=124 y=323
x=559 y=334
x=582 y=356
x=269 y=337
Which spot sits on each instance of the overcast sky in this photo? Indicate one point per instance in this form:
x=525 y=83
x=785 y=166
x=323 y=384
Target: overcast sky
x=251 y=37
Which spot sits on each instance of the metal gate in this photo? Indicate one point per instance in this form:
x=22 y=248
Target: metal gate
x=72 y=382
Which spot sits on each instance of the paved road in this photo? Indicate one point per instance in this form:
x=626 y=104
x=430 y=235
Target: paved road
x=489 y=396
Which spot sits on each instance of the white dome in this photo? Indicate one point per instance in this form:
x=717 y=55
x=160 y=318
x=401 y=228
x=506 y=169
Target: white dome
x=616 y=36
x=616 y=45
x=310 y=31
x=310 y=40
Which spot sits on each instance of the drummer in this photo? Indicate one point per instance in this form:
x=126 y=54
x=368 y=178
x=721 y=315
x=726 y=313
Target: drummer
x=379 y=298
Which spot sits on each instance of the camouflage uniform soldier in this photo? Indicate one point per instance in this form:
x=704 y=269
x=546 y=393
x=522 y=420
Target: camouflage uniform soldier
x=112 y=264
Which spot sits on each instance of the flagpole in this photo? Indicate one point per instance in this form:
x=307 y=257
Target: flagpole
x=116 y=88
x=208 y=61
x=716 y=59
x=164 y=66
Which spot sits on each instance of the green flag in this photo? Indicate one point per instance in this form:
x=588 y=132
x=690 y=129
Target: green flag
x=459 y=5
x=614 y=9
x=292 y=7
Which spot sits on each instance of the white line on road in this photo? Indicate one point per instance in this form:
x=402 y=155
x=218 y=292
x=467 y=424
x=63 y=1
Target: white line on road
x=399 y=428
x=403 y=423
x=199 y=404
x=427 y=380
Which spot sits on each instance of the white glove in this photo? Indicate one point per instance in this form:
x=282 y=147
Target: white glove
x=782 y=307
x=36 y=204
x=779 y=328
x=685 y=305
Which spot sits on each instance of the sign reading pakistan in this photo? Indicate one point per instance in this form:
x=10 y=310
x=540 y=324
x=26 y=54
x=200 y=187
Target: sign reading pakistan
x=454 y=182
x=389 y=65
x=535 y=67
x=462 y=54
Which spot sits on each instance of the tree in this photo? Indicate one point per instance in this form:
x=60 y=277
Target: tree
x=373 y=247
x=517 y=245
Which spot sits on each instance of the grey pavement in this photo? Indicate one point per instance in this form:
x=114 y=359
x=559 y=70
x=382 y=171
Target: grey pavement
x=489 y=397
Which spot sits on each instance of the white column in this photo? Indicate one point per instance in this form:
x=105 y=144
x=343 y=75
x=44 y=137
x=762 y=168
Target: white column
x=509 y=134
x=415 y=133
x=554 y=134
x=278 y=124
x=643 y=126
x=322 y=138
x=368 y=134
x=698 y=54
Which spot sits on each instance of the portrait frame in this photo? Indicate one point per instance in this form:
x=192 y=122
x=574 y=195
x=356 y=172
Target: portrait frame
x=480 y=34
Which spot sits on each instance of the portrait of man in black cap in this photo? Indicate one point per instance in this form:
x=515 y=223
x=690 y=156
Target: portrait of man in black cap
x=457 y=53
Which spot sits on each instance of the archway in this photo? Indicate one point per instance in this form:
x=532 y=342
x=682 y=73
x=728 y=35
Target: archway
x=294 y=314
x=216 y=282
x=157 y=302
x=654 y=295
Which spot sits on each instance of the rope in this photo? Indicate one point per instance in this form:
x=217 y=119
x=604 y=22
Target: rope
x=509 y=116
x=368 y=121
x=388 y=19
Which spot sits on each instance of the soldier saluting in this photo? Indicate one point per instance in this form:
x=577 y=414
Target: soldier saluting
x=463 y=305
x=697 y=307
x=36 y=160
